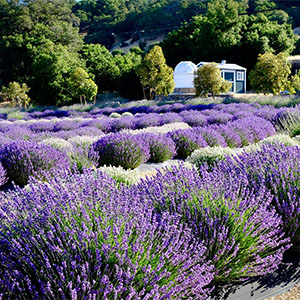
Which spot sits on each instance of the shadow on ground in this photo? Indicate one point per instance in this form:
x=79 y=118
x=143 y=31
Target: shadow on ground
x=262 y=287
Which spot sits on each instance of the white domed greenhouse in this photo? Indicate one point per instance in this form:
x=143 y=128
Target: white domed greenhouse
x=184 y=75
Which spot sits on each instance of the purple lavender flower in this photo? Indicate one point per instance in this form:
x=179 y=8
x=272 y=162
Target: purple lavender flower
x=170 y=118
x=66 y=125
x=243 y=235
x=125 y=150
x=233 y=140
x=194 y=118
x=147 y=120
x=277 y=168
x=126 y=122
x=42 y=126
x=186 y=141
x=212 y=136
x=161 y=147
x=24 y=159
x=3 y=178
x=80 y=237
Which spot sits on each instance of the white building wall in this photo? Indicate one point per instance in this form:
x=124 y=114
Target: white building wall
x=184 y=80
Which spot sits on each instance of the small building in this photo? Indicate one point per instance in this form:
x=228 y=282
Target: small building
x=184 y=75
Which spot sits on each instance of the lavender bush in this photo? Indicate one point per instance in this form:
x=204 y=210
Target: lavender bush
x=276 y=167
x=186 y=141
x=209 y=156
x=161 y=147
x=125 y=150
x=79 y=238
x=212 y=136
x=24 y=159
x=243 y=235
x=3 y=178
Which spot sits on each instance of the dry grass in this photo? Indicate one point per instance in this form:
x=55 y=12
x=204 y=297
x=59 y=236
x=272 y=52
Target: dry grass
x=293 y=294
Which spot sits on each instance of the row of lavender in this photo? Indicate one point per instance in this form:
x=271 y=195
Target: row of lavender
x=68 y=128
x=21 y=159
x=219 y=114
x=174 y=236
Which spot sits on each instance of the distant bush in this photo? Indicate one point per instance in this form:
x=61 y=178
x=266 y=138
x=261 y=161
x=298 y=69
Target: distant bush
x=210 y=156
x=125 y=150
x=187 y=141
x=24 y=159
x=280 y=139
x=115 y=115
x=161 y=147
x=127 y=114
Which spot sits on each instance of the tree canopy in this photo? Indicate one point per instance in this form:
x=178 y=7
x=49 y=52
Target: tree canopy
x=232 y=36
x=271 y=74
x=208 y=80
x=156 y=77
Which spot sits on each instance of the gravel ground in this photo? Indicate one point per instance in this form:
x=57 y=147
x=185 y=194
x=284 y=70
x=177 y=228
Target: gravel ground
x=293 y=294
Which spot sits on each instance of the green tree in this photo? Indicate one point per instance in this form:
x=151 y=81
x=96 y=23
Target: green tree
x=294 y=84
x=50 y=72
x=271 y=73
x=100 y=62
x=208 y=80
x=127 y=65
x=27 y=28
x=232 y=36
x=16 y=94
x=82 y=85
x=156 y=77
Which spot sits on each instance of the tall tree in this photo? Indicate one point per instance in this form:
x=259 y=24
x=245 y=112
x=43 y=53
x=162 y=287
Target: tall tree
x=100 y=62
x=27 y=27
x=51 y=67
x=271 y=73
x=82 y=85
x=156 y=77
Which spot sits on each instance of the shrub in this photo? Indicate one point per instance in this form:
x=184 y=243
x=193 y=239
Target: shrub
x=194 y=118
x=115 y=115
x=187 y=141
x=277 y=168
x=252 y=129
x=212 y=136
x=209 y=156
x=3 y=178
x=125 y=150
x=123 y=123
x=147 y=120
x=232 y=139
x=58 y=143
x=280 y=139
x=170 y=117
x=219 y=117
x=288 y=121
x=24 y=159
x=122 y=176
x=243 y=236
x=127 y=114
x=83 y=237
x=161 y=147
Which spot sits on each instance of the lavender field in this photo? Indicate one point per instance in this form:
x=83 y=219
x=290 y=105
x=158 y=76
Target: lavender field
x=77 y=221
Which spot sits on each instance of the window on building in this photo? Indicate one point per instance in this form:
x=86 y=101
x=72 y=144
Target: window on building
x=240 y=76
x=229 y=76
